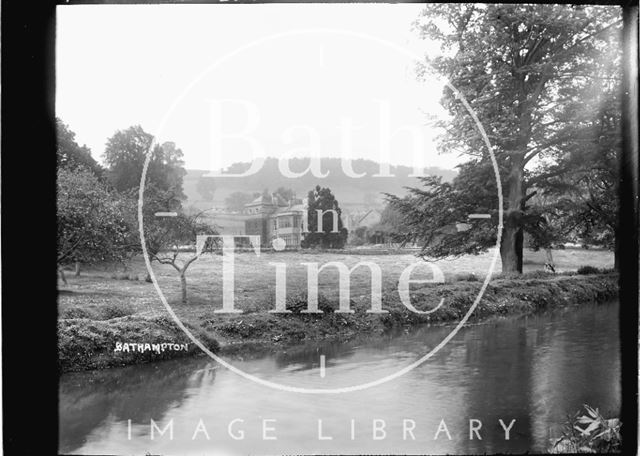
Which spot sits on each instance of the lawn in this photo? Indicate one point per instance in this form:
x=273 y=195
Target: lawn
x=109 y=302
x=255 y=277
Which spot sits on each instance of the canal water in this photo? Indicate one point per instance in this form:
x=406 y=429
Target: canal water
x=535 y=370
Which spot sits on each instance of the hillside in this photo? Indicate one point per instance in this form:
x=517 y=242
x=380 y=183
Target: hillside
x=350 y=192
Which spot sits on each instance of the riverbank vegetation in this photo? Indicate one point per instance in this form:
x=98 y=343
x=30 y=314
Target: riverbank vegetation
x=97 y=309
x=87 y=343
x=589 y=431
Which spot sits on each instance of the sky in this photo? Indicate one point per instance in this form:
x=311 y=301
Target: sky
x=229 y=83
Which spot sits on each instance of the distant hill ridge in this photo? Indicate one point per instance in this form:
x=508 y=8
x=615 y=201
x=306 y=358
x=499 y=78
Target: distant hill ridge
x=365 y=191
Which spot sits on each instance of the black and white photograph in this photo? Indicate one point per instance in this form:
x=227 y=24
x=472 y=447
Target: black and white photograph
x=344 y=228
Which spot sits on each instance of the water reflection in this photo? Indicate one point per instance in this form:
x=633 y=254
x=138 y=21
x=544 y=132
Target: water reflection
x=89 y=400
x=532 y=369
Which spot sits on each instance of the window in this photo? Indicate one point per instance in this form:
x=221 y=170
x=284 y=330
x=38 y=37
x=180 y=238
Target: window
x=284 y=222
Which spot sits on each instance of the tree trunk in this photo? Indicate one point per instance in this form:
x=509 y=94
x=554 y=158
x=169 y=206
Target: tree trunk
x=616 y=250
x=549 y=254
x=519 y=249
x=77 y=273
x=62 y=276
x=511 y=249
x=183 y=285
x=512 y=234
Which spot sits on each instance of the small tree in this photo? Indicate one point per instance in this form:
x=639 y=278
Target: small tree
x=170 y=238
x=548 y=227
x=322 y=199
x=389 y=229
x=360 y=236
x=90 y=222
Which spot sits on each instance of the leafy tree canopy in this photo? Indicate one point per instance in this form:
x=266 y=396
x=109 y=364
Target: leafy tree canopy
x=90 y=220
x=70 y=154
x=125 y=155
x=524 y=69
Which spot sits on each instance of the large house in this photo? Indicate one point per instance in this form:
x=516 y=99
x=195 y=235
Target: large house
x=271 y=217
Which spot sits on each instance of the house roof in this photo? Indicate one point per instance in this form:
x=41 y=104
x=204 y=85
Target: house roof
x=262 y=199
x=271 y=199
x=286 y=210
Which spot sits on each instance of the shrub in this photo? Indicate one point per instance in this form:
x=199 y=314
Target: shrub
x=126 y=276
x=506 y=276
x=110 y=311
x=465 y=277
x=97 y=312
x=535 y=274
x=587 y=270
x=298 y=302
x=589 y=433
x=75 y=312
x=538 y=274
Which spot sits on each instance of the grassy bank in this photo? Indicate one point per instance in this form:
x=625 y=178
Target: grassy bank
x=85 y=344
x=262 y=330
x=98 y=310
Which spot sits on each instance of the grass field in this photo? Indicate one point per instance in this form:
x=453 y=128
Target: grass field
x=116 y=304
x=255 y=277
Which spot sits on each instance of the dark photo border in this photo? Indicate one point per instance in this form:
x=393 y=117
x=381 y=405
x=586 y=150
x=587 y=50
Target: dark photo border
x=29 y=280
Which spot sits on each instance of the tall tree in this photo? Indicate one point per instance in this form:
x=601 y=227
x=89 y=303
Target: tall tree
x=70 y=154
x=431 y=213
x=322 y=199
x=125 y=155
x=287 y=194
x=518 y=66
x=585 y=181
